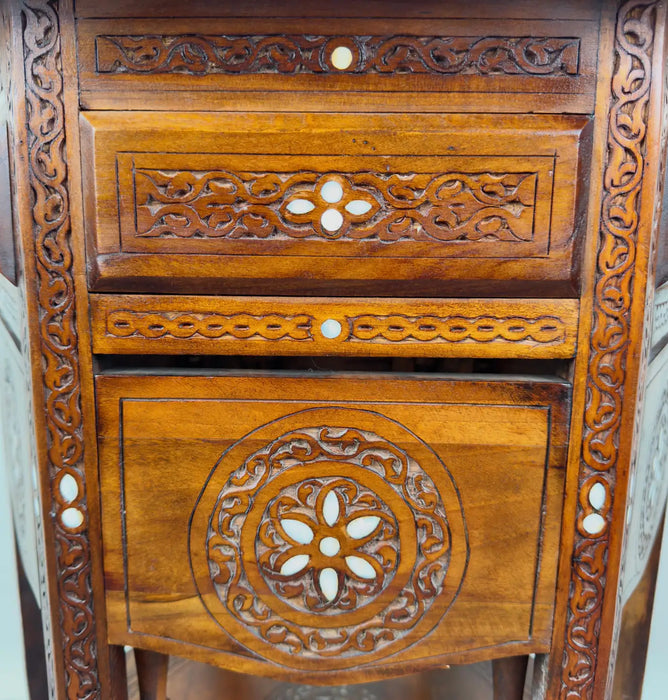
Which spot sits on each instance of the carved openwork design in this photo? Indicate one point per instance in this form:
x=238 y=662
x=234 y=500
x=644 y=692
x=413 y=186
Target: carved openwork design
x=303 y=54
x=123 y=324
x=610 y=338
x=356 y=546
x=652 y=491
x=456 y=329
x=327 y=545
x=387 y=207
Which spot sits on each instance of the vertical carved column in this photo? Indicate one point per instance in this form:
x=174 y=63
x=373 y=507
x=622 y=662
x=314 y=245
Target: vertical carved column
x=58 y=344
x=612 y=367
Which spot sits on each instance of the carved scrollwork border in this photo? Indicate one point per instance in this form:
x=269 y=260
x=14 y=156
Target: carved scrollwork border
x=58 y=342
x=610 y=338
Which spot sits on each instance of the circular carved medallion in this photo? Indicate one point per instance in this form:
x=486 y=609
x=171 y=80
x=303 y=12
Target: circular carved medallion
x=315 y=539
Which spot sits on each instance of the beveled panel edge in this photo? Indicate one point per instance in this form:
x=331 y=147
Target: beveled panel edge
x=510 y=328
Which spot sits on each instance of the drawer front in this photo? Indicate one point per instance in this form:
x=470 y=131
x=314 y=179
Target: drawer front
x=326 y=523
x=354 y=57
x=343 y=203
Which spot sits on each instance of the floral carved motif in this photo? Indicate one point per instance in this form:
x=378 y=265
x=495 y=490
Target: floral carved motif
x=352 y=545
x=357 y=206
x=303 y=54
x=48 y=180
x=616 y=258
x=126 y=324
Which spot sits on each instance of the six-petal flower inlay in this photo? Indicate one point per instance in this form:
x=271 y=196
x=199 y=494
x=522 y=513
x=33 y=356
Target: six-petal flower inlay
x=329 y=543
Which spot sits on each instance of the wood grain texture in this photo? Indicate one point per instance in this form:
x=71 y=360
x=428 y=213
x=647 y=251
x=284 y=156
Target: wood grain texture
x=474 y=191
x=158 y=595
x=621 y=275
x=285 y=326
x=421 y=63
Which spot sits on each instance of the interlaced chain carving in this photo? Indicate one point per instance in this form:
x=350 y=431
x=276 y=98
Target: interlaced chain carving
x=616 y=258
x=457 y=329
x=125 y=324
x=303 y=54
x=408 y=206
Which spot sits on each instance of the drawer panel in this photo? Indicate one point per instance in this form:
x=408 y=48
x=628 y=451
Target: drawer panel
x=353 y=57
x=332 y=202
x=201 y=325
x=320 y=524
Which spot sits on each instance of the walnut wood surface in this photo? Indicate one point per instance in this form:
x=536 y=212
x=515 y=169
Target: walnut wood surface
x=206 y=198
x=503 y=547
x=283 y=326
x=601 y=254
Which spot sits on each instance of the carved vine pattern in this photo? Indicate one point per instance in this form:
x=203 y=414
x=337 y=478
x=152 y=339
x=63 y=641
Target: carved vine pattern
x=610 y=337
x=411 y=206
x=303 y=54
x=59 y=344
x=370 y=454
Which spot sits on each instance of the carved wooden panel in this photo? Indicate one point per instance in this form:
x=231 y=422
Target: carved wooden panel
x=616 y=344
x=360 y=199
x=289 y=326
x=342 y=520
x=364 y=58
x=387 y=207
x=301 y=53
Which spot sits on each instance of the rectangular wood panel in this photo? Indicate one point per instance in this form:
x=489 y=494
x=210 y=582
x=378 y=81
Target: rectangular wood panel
x=138 y=324
x=467 y=476
x=350 y=204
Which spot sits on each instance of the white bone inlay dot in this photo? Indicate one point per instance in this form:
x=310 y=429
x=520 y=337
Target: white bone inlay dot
x=342 y=57
x=297 y=530
x=331 y=328
x=329 y=546
x=330 y=508
x=68 y=488
x=331 y=192
x=329 y=583
x=597 y=495
x=300 y=206
x=71 y=518
x=361 y=527
x=593 y=523
x=331 y=220
x=360 y=567
x=294 y=564
x=358 y=207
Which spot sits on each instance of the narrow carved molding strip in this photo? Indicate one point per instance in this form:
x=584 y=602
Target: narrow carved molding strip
x=295 y=54
x=660 y=329
x=388 y=207
x=616 y=258
x=125 y=324
x=457 y=329
x=48 y=180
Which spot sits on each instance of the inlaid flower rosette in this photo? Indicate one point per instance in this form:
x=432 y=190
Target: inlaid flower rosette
x=329 y=533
